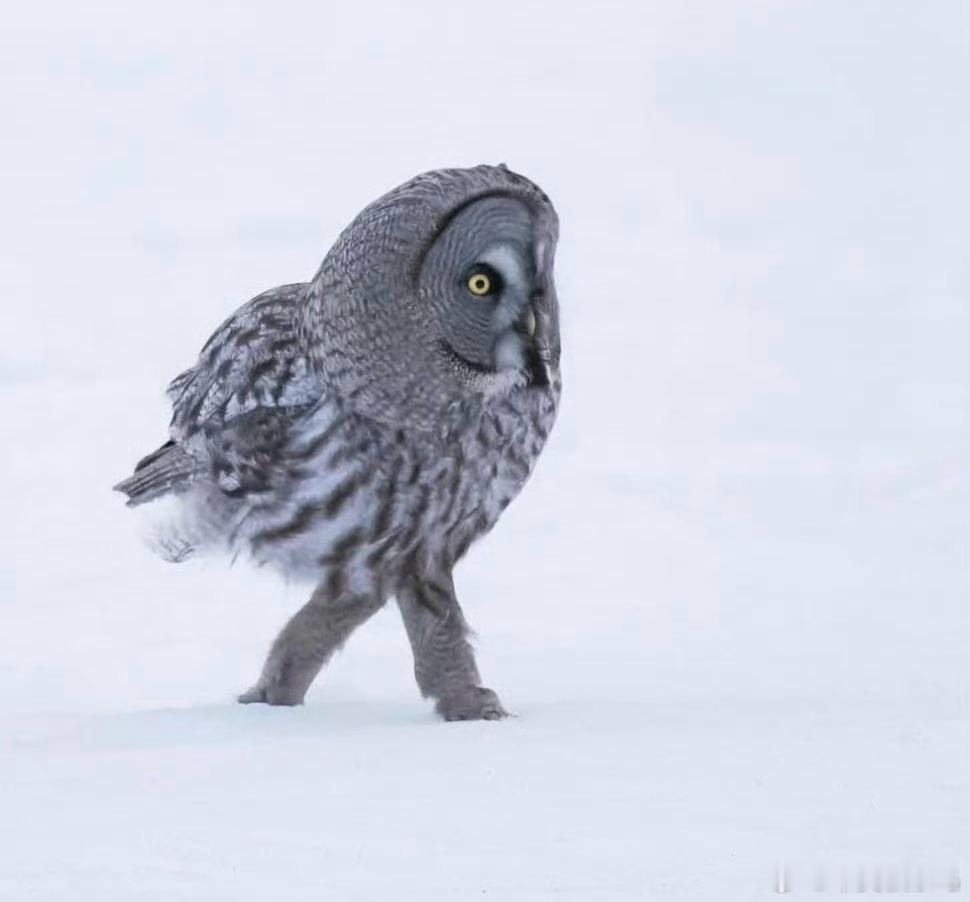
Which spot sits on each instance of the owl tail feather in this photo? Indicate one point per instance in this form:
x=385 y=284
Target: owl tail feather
x=168 y=469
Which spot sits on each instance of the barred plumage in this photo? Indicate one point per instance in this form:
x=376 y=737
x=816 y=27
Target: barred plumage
x=364 y=428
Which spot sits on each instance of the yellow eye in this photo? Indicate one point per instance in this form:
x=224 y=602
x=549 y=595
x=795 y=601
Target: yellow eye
x=479 y=284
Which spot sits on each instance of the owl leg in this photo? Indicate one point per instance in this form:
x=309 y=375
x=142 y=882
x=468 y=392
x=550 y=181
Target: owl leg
x=444 y=662
x=306 y=643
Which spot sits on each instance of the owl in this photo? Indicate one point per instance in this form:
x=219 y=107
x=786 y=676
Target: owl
x=363 y=429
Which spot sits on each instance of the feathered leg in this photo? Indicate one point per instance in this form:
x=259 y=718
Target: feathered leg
x=307 y=642
x=444 y=662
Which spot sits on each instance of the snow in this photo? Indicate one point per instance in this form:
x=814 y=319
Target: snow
x=730 y=610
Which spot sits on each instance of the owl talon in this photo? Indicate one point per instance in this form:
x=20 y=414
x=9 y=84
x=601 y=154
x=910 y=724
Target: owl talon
x=269 y=695
x=475 y=703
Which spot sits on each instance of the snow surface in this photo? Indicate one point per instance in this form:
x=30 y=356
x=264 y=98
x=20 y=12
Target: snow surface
x=730 y=611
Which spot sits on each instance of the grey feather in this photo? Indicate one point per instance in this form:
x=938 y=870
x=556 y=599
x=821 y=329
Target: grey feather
x=252 y=360
x=168 y=469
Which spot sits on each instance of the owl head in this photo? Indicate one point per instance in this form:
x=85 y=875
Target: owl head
x=439 y=292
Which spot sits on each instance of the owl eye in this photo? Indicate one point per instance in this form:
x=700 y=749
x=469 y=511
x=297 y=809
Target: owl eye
x=483 y=281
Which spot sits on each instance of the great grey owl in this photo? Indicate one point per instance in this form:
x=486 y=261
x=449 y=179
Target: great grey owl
x=364 y=428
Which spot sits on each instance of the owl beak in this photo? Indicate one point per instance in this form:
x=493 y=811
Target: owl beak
x=528 y=320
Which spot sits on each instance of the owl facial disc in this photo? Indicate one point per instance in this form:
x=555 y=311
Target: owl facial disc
x=440 y=291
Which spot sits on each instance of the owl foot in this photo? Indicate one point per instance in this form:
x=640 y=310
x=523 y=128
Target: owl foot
x=271 y=694
x=472 y=703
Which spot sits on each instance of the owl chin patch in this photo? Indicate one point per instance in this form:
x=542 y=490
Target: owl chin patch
x=536 y=368
x=510 y=351
x=515 y=352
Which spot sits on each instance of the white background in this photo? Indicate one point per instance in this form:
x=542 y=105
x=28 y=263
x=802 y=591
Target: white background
x=730 y=610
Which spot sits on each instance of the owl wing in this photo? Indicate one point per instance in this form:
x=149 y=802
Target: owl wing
x=253 y=360
x=231 y=411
